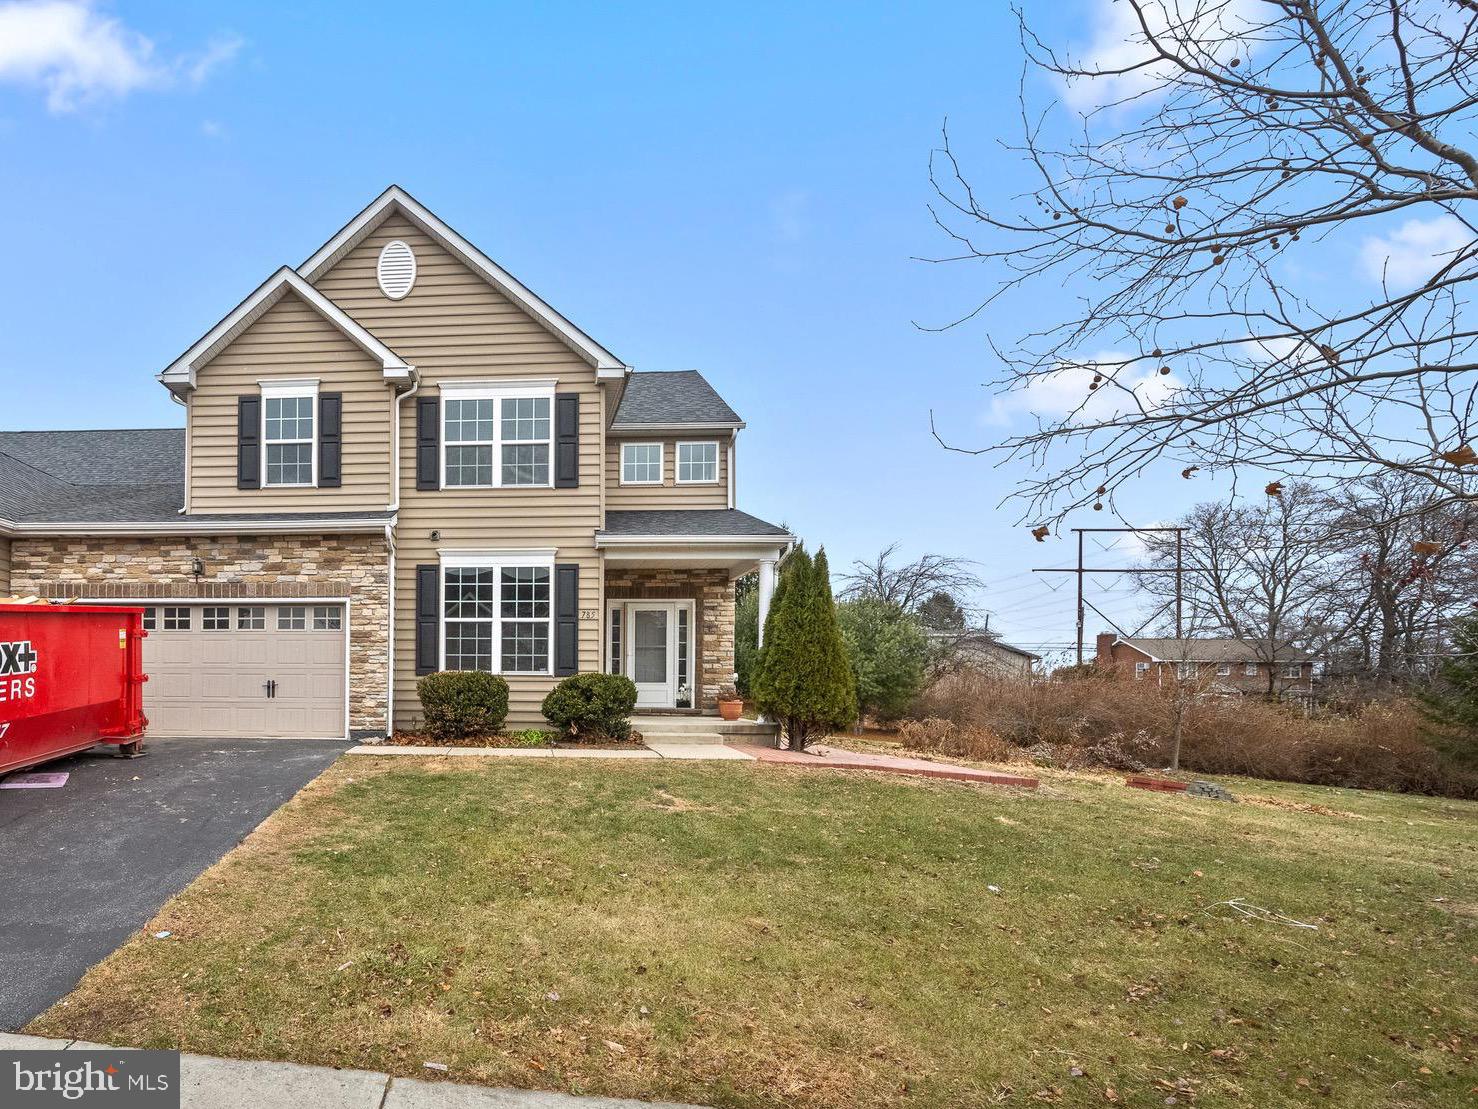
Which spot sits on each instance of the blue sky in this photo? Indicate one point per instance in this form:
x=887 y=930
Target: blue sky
x=738 y=189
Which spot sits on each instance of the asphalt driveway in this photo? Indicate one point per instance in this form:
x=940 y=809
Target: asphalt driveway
x=84 y=866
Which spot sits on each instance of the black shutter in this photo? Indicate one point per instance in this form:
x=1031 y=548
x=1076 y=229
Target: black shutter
x=428 y=618
x=428 y=443
x=330 y=440
x=566 y=619
x=249 y=442
x=566 y=441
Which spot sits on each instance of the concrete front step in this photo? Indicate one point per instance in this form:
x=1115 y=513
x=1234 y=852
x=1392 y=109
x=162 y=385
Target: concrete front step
x=699 y=729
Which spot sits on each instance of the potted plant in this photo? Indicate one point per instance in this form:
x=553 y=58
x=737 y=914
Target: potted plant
x=730 y=706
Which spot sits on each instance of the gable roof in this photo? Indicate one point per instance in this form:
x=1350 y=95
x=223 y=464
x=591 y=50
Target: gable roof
x=179 y=375
x=396 y=199
x=671 y=398
x=1170 y=649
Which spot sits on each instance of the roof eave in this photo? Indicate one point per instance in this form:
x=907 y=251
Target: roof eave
x=179 y=376
x=187 y=526
x=677 y=426
x=605 y=539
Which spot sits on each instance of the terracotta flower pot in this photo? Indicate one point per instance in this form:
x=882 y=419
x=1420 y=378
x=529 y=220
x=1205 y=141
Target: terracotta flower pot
x=730 y=710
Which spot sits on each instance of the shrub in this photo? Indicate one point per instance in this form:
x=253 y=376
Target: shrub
x=459 y=703
x=888 y=652
x=592 y=706
x=1117 y=724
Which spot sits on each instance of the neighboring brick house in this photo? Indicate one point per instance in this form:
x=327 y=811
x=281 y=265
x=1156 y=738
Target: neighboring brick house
x=397 y=459
x=1221 y=665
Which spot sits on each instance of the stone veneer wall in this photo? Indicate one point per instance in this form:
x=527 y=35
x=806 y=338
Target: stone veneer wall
x=713 y=594
x=354 y=567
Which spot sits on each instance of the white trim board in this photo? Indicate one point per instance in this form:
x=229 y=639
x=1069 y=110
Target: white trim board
x=396 y=199
x=180 y=374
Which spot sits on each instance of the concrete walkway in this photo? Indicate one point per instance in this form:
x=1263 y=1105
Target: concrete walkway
x=837 y=758
x=653 y=749
x=208 y=1083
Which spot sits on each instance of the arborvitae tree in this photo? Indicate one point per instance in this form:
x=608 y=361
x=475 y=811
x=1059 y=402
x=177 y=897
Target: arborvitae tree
x=802 y=677
x=1452 y=703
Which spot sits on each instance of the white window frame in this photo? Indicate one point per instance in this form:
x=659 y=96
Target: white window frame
x=282 y=390
x=661 y=463
x=1224 y=670
x=497 y=561
x=1293 y=670
x=498 y=392
x=1140 y=670
x=1185 y=671
x=1249 y=670
x=677 y=462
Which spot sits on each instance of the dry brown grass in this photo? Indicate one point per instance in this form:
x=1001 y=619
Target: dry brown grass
x=1128 y=726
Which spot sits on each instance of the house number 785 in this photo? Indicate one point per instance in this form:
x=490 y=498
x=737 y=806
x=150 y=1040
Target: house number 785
x=587 y=614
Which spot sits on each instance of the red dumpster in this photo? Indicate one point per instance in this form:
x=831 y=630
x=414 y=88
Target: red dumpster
x=71 y=676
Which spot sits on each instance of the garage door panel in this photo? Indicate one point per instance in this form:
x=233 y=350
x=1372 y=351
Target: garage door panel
x=214 y=683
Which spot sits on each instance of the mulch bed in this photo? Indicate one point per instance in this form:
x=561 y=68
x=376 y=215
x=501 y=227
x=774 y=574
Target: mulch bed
x=421 y=739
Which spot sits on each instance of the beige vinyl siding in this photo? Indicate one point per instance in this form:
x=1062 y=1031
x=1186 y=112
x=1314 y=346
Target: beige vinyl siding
x=669 y=494
x=4 y=567
x=454 y=325
x=291 y=340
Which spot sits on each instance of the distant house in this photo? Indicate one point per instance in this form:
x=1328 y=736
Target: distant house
x=1224 y=665
x=980 y=650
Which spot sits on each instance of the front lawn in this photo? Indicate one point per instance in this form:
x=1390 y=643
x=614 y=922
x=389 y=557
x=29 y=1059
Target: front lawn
x=745 y=935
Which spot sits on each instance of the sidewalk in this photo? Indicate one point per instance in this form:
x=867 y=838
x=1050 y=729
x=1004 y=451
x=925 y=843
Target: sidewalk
x=207 y=1083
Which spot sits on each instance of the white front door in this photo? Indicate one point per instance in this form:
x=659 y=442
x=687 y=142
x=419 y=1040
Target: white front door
x=651 y=660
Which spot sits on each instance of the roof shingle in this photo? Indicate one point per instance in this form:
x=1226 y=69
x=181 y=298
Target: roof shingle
x=690 y=521
x=672 y=397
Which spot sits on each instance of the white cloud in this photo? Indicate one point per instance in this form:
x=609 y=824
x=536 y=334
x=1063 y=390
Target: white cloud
x=1416 y=250
x=77 y=54
x=1065 y=394
x=1118 y=42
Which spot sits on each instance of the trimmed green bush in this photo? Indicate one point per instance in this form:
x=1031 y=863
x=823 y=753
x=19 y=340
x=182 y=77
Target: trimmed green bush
x=592 y=706
x=460 y=703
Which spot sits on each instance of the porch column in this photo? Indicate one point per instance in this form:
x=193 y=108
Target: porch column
x=767 y=590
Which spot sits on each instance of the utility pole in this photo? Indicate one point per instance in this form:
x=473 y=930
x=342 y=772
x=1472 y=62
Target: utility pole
x=1080 y=570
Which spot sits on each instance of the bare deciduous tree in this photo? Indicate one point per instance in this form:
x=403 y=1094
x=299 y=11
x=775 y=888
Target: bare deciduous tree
x=1240 y=141
x=1255 y=572
x=909 y=585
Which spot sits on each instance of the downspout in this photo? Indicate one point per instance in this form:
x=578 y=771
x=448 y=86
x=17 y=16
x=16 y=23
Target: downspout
x=186 y=406
x=733 y=436
x=393 y=506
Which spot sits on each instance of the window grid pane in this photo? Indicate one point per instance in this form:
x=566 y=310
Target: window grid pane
x=525 y=419
x=216 y=620
x=288 y=432
x=469 y=421
x=526 y=464
x=469 y=465
x=176 y=619
x=469 y=645
x=697 y=462
x=292 y=618
x=253 y=619
x=150 y=621
x=326 y=618
x=641 y=462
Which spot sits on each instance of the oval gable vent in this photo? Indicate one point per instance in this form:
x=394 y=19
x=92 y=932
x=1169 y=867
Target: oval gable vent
x=397 y=269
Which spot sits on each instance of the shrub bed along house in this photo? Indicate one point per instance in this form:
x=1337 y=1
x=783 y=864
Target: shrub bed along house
x=1123 y=726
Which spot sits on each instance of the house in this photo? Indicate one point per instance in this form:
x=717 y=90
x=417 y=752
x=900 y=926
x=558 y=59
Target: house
x=397 y=459
x=980 y=650
x=1221 y=665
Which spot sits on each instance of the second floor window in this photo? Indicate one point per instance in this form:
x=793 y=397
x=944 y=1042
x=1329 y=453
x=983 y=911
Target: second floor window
x=697 y=463
x=493 y=440
x=288 y=436
x=641 y=463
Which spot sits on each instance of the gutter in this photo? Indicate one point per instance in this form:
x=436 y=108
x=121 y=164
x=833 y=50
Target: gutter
x=704 y=425
x=692 y=540
x=197 y=526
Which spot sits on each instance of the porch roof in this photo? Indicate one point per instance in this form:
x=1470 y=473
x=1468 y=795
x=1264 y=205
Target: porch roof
x=669 y=524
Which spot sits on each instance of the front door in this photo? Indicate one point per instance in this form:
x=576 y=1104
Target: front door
x=650 y=660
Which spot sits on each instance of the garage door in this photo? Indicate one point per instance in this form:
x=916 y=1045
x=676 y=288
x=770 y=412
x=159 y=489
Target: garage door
x=245 y=669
